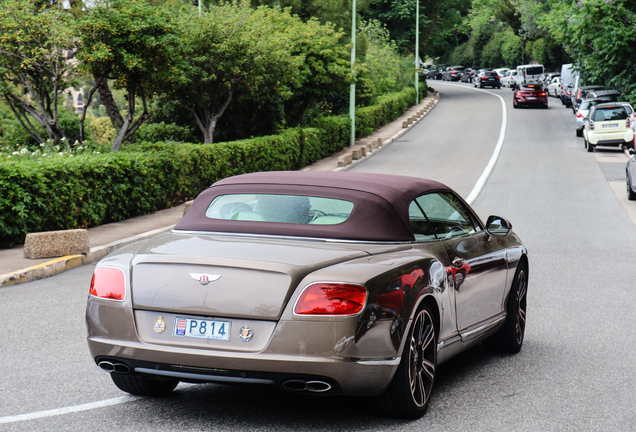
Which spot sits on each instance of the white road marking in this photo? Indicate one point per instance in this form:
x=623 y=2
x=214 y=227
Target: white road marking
x=493 y=159
x=67 y=410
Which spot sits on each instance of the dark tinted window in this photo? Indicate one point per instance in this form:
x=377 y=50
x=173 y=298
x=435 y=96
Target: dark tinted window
x=491 y=74
x=534 y=71
x=528 y=87
x=609 y=114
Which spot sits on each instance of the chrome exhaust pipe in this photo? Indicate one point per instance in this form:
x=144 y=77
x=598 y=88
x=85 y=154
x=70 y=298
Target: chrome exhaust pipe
x=299 y=385
x=118 y=368
x=318 y=386
x=107 y=366
x=295 y=385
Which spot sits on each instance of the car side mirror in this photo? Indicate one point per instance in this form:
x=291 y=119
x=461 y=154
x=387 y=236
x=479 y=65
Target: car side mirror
x=498 y=226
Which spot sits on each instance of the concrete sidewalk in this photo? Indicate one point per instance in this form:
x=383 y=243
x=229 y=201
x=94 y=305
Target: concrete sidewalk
x=15 y=268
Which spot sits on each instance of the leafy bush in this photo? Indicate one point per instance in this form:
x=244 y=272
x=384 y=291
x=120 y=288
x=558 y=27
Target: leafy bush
x=101 y=130
x=164 y=132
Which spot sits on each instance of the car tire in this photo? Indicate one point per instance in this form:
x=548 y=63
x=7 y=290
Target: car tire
x=409 y=393
x=579 y=132
x=509 y=338
x=631 y=195
x=138 y=386
x=589 y=147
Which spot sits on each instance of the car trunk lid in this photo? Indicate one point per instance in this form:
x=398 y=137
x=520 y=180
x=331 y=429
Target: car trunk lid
x=228 y=276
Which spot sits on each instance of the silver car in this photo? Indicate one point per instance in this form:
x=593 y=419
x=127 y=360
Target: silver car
x=582 y=112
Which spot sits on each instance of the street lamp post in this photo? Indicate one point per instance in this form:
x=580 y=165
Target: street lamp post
x=417 y=51
x=352 y=93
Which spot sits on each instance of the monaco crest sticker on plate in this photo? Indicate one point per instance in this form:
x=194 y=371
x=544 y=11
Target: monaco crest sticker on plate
x=246 y=333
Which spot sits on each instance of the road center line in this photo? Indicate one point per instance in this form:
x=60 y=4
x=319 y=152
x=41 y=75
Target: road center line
x=493 y=159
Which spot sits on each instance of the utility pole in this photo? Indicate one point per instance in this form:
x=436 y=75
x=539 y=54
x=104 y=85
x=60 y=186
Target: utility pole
x=417 y=51
x=352 y=94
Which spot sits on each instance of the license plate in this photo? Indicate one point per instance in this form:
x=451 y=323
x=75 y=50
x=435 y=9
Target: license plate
x=530 y=97
x=202 y=328
x=612 y=125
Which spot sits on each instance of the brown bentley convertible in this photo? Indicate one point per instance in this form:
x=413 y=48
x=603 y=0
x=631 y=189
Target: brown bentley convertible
x=318 y=283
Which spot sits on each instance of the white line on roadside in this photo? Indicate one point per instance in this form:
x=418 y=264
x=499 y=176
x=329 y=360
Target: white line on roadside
x=493 y=159
x=67 y=410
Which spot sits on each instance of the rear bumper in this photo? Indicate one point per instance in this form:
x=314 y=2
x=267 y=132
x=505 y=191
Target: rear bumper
x=611 y=139
x=353 y=363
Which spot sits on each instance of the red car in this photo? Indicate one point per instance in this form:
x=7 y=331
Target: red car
x=530 y=95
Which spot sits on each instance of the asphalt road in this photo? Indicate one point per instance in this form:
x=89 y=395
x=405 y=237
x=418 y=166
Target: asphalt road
x=575 y=371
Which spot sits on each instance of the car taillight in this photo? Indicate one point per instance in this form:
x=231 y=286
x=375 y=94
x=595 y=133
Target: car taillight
x=628 y=122
x=108 y=283
x=567 y=92
x=323 y=298
x=541 y=94
x=484 y=78
x=579 y=115
x=591 y=124
x=453 y=72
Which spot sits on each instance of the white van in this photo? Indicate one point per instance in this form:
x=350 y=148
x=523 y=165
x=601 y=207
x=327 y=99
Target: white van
x=528 y=74
x=568 y=76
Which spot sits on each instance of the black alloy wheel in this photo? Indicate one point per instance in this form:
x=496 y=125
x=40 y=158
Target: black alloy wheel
x=409 y=394
x=510 y=337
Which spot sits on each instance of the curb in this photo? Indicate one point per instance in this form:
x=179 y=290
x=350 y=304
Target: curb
x=61 y=264
x=391 y=140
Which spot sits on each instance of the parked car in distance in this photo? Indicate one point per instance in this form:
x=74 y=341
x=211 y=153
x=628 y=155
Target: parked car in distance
x=554 y=87
x=568 y=76
x=608 y=124
x=468 y=75
x=530 y=95
x=487 y=79
x=501 y=72
x=509 y=78
x=582 y=112
x=613 y=94
x=582 y=93
x=546 y=79
x=314 y=283
x=435 y=74
x=453 y=73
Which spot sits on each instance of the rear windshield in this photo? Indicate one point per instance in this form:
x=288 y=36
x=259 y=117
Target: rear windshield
x=609 y=114
x=293 y=209
x=529 y=87
x=534 y=71
x=491 y=74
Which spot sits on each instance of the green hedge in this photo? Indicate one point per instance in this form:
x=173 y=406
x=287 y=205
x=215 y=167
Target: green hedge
x=64 y=192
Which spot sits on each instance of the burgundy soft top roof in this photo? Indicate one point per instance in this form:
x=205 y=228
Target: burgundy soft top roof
x=380 y=204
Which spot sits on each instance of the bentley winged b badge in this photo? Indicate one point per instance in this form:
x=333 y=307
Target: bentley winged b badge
x=205 y=279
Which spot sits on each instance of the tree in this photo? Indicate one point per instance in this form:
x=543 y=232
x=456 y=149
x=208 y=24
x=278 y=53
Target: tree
x=439 y=22
x=599 y=35
x=134 y=44
x=36 y=45
x=231 y=50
